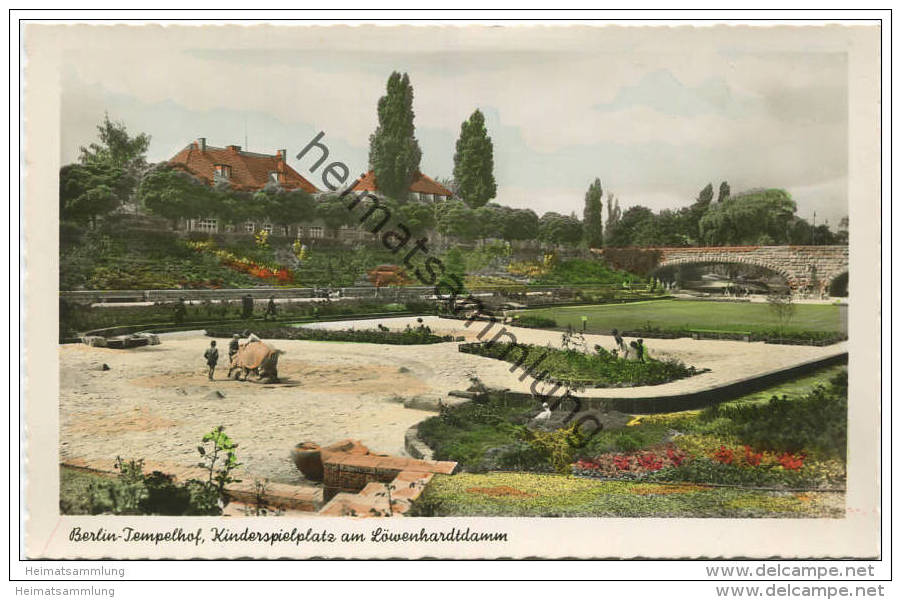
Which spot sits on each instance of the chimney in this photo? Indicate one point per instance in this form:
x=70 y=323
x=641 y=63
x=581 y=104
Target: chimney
x=235 y=148
x=201 y=143
x=282 y=165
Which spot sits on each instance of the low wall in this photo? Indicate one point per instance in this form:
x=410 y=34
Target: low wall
x=351 y=473
x=697 y=399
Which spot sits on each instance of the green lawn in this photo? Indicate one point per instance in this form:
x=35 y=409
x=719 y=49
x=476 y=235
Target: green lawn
x=541 y=495
x=692 y=314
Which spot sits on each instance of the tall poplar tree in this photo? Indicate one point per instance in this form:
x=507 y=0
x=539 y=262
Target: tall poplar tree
x=613 y=215
x=394 y=153
x=474 y=162
x=592 y=216
x=725 y=191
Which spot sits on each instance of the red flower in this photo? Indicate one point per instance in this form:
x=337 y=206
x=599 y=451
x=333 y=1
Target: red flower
x=791 y=462
x=677 y=458
x=752 y=458
x=650 y=461
x=724 y=455
x=622 y=463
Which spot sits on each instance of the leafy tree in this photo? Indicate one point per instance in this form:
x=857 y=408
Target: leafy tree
x=474 y=162
x=394 y=153
x=90 y=190
x=520 y=224
x=174 y=194
x=744 y=218
x=663 y=229
x=489 y=221
x=557 y=229
x=116 y=147
x=696 y=212
x=457 y=220
x=782 y=307
x=418 y=217
x=286 y=207
x=613 y=214
x=841 y=236
x=626 y=229
x=233 y=206
x=724 y=192
x=592 y=215
x=106 y=175
x=332 y=210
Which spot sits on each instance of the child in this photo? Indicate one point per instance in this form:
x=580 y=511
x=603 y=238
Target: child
x=212 y=357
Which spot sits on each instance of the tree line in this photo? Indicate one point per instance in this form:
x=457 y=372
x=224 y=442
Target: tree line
x=760 y=217
x=114 y=171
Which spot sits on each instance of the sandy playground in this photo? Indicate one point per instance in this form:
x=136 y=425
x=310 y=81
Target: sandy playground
x=156 y=403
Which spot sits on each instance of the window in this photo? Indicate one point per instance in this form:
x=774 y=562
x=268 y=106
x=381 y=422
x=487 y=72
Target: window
x=273 y=176
x=223 y=171
x=267 y=227
x=315 y=232
x=250 y=227
x=208 y=225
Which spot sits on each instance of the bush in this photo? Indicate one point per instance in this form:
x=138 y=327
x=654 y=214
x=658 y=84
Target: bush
x=534 y=321
x=408 y=337
x=558 y=447
x=578 y=369
x=483 y=435
x=705 y=470
x=629 y=441
x=817 y=422
x=134 y=492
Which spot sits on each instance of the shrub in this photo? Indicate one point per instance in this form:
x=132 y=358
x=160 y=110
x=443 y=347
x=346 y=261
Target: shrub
x=134 y=492
x=629 y=442
x=578 y=271
x=534 y=321
x=557 y=446
x=816 y=422
x=411 y=336
x=578 y=369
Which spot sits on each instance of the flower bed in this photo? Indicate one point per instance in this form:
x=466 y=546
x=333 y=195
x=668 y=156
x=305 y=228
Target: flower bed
x=629 y=465
x=271 y=273
x=725 y=465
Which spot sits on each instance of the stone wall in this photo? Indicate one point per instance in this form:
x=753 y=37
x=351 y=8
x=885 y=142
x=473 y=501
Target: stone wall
x=802 y=266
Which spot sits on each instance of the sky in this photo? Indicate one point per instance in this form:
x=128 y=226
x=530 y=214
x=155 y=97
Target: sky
x=655 y=112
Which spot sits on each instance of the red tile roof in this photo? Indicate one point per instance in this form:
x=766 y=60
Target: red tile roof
x=422 y=184
x=249 y=170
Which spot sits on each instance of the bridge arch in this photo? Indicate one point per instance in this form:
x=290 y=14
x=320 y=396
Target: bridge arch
x=790 y=280
x=804 y=268
x=838 y=285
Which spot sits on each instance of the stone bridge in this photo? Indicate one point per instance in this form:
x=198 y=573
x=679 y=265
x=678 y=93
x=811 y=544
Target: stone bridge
x=811 y=268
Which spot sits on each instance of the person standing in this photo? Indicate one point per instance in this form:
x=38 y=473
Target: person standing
x=180 y=311
x=233 y=347
x=619 y=342
x=270 y=309
x=639 y=347
x=212 y=358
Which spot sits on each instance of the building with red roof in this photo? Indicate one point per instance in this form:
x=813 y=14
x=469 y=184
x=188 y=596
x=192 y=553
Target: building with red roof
x=245 y=171
x=422 y=187
x=251 y=171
